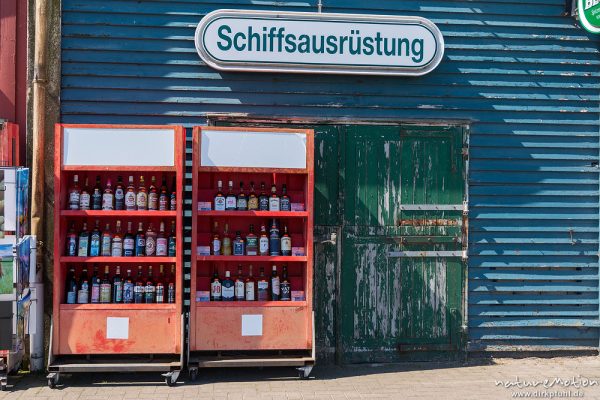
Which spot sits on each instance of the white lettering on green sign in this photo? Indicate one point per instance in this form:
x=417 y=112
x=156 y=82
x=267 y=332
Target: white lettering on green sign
x=589 y=15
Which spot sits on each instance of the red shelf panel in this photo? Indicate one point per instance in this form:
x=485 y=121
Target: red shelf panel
x=253 y=258
x=119 y=213
x=132 y=307
x=118 y=260
x=265 y=214
x=251 y=304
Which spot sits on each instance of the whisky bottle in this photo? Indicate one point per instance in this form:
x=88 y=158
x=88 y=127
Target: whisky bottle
x=119 y=194
x=274 y=203
x=251 y=242
x=130 y=196
x=219 y=197
x=173 y=197
x=252 y=199
x=238 y=244
x=263 y=199
x=83 y=293
x=242 y=200
x=72 y=241
x=153 y=195
x=162 y=243
x=140 y=241
x=141 y=200
x=97 y=195
x=117 y=287
x=108 y=197
x=71 y=287
x=116 y=247
x=163 y=198
x=285 y=287
x=216 y=241
x=240 y=287
x=286 y=243
x=128 y=288
x=139 y=288
x=95 y=239
x=172 y=241
x=250 y=286
x=129 y=242
x=84 y=242
x=84 y=197
x=215 y=287
x=274 y=240
x=171 y=288
x=95 y=290
x=230 y=200
x=105 y=288
x=284 y=203
x=105 y=245
x=150 y=290
x=226 y=245
x=263 y=242
x=160 y=286
x=275 y=285
x=150 y=241
x=228 y=288
x=74 y=194
x=263 y=286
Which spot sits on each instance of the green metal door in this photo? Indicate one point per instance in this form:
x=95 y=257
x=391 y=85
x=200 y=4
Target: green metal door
x=403 y=235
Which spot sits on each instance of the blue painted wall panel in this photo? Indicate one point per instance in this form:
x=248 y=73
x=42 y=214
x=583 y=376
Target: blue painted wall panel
x=525 y=77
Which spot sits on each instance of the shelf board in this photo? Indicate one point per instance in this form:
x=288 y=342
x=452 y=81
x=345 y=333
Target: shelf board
x=120 y=306
x=265 y=214
x=118 y=168
x=254 y=258
x=251 y=304
x=117 y=213
x=119 y=260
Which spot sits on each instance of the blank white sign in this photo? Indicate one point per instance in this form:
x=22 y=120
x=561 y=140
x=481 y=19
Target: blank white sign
x=252 y=149
x=252 y=325
x=117 y=328
x=108 y=146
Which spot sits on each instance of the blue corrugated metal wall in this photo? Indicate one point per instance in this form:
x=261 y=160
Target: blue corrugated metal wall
x=525 y=77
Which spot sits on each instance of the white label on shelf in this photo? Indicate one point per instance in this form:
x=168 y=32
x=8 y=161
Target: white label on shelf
x=112 y=146
x=253 y=149
x=117 y=328
x=252 y=325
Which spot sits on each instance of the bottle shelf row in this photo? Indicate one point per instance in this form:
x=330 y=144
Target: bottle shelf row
x=118 y=260
x=172 y=306
x=253 y=258
x=115 y=213
x=266 y=214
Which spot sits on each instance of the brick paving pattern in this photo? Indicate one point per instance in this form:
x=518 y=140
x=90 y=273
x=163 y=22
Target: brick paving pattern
x=475 y=379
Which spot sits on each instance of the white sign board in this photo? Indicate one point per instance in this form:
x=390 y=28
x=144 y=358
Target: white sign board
x=252 y=325
x=273 y=41
x=117 y=328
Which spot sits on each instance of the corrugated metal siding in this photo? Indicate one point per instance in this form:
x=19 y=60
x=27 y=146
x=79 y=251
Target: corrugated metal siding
x=525 y=77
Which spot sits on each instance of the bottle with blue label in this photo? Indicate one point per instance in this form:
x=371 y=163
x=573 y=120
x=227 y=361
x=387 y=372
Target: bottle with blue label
x=140 y=241
x=228 y=288
x=71 y=287
x=84 y=242
x=128 y=288
x=238 y=245
x=274 y=240
x=95 y=240
x=172 y=243
x=72 y=241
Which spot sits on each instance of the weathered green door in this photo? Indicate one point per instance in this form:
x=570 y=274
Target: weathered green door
x=402 y=268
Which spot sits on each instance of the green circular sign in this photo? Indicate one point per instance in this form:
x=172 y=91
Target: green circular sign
x=589 y=14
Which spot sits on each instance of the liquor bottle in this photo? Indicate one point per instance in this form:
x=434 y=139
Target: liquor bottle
x=140 y=241
x=250 y=286
x=228 y=288
x=116 y=247
x=160 y=286
x=274 y=240
x=215 y=287
x=252 y=199
x=117 y=287
x=226 y=243
x=284 y=286
x=150 y=291
x=129 y=242
x=108 y=197
x=251 y=242
x=71 y=287
x=263 y=242
x=219 y=201
x=141 y=200
x=242 y=200
x=138 y=290
x=72 y=241
x=286 y=243
x=97 y=195
x=95 y=239
x=119 y=194
x=153 y=195
x=216 y=241
x=263 y=199
x=84 y=197
x=263 y=286
x=285 y=204
x=171 y=288
x=74 y=194
x=84 y=242
x=163 y=198
x=128 y=288
x=105 y=245
x=95 y=291
x=173 y=197
x=150 y=241
x=162 y=243
x=172 y=250
x=240 y=287
x=105 y=288
x=275 y=285
x=83 y=293
x=274 y=201
x=230 y=200
x=130 y=196
x=238 y=244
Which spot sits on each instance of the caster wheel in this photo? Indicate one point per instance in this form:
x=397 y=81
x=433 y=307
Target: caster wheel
x=2 y=388
x=51 y=383
x=169 y=381
x=193 y=375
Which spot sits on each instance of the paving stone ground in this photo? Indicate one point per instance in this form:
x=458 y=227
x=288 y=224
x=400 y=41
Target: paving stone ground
x=564 y=377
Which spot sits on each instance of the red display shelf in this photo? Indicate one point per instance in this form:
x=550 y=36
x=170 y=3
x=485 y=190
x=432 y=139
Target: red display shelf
x=253 y=258
x=251 y=304
x=120 y=168
x=119 y=260
x=119 y=306
x=264 y=214
x=115 y=214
